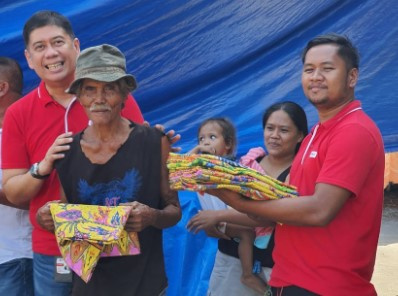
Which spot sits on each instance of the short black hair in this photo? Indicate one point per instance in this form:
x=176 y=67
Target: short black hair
x=45 y=18
x=295 y=112
x=11 y=71
x=228 y=131
x=346 y=50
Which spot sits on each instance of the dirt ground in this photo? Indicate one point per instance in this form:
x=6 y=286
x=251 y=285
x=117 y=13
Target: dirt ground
x=385 y=276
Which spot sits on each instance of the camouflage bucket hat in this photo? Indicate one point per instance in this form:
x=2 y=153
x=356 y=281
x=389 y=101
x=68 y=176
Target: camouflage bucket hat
x=105 y=63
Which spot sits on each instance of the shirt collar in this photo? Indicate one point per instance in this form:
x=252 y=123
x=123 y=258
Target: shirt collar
x=44 y=95
x=350 y=107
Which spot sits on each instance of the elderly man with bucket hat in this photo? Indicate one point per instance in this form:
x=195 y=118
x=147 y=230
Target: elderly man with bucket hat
x=115 y=161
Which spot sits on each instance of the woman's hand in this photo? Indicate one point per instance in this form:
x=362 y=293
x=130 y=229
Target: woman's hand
x=207 y=221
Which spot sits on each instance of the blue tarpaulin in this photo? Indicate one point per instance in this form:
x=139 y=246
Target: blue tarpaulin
x=197 y=59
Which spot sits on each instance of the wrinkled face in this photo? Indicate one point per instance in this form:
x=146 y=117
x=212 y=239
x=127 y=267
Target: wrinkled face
x=102 y=101
x=211 y=139
x=325 y=79
x=281 y=135
x=52 y=54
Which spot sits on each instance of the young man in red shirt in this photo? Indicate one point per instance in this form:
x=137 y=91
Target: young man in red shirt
x=326 y=239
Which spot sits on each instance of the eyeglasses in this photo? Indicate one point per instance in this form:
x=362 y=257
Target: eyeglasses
x=109 y=91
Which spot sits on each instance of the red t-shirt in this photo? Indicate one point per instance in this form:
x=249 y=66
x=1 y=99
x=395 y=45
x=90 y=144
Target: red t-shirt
x=338 y=259
x=30 y=127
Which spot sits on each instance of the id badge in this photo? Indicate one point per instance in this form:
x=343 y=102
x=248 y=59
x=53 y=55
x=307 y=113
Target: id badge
x=62 y=272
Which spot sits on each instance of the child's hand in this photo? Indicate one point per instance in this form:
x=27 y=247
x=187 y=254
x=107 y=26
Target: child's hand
x=202 y=149
x=195 y=150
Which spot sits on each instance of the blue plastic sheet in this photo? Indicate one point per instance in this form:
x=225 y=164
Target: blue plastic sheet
x=197 y=59
x=189 y=257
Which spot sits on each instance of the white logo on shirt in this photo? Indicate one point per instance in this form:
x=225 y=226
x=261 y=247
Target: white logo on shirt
x=313 y=154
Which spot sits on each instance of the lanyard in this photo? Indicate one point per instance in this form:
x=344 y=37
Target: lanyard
x=66 y=114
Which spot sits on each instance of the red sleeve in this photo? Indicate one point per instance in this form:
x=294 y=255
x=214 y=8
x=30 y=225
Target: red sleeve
x=132 y=111
x=14 y=154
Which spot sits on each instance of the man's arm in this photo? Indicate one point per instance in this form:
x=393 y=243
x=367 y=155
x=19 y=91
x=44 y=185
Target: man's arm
x=6 y=202
x=318 y=209
x=142 y=216
x=20 y=186
x=171 y=213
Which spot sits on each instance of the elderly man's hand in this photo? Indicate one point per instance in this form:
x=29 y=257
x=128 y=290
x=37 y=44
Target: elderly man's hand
x=171 y=135
x=207 y=221
x=141 y=216
x=44 y=218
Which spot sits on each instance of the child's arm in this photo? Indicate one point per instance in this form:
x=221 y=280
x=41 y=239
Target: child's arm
x=195 y=150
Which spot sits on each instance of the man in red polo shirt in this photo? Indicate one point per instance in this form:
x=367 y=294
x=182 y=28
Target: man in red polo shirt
x=326 y=241
x=31 y=126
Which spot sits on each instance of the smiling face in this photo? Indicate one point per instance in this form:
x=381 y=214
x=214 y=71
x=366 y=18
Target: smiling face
x=52 y=54
x=281 y=135
x=102 y=101
x=211 y=137
x=326 y=81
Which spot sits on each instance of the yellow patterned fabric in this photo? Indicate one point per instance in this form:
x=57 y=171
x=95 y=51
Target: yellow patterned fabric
x=199 y=172
x=87 y=232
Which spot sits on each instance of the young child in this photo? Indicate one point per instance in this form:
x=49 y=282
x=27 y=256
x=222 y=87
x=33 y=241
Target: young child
x=217 y=136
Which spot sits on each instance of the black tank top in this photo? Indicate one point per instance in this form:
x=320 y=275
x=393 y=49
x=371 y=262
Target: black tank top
x=132 y=174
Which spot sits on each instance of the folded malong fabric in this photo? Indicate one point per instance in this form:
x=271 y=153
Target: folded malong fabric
x=199 y=172
x=87 y=232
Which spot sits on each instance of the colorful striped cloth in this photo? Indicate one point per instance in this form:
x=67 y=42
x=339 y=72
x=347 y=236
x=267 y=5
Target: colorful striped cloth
x=87 y=232
x=199 y=172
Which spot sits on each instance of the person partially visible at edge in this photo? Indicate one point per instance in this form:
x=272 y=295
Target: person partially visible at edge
x=326 y=239
x=16 y=267
x=284 y=127
x=32 y=124
x=126 y=164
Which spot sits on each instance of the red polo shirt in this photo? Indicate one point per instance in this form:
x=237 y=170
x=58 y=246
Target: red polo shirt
x=338 y=259
x=30 y=127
